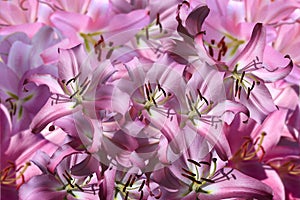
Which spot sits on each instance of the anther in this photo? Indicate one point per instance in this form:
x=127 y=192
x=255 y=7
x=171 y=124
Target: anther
x=69 y=182
x=73 y=79
x=147 y=93
x=132 y=181
x=204 y=163
x=51 y=128
x=149 y=86
x=194 y=162
x=154 y=101
x=22 y=5
x=126 y=195
x=191 y=178
x=242 y=77
x=233 y=176
x=198 y=113
x=100 y=41
x=127 y=183
x=141 y=196
x=79 y=187
x=142 y=185
x=158 y=22
x=250 y=89
x=239 y=92
x=207 y=180
x=188 y=172
x=211 y=51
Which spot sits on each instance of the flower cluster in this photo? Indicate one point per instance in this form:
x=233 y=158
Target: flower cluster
x=150 y=99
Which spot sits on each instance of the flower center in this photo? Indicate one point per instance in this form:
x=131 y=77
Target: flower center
x=289 y=167
x=74 y=91
x=197 y=107
x=73 y=185
x=221 y=48
x=14 y=103
x=250 y=149
x=9 y=175
x=134 y=185
x=199 y=180
x=155 y=97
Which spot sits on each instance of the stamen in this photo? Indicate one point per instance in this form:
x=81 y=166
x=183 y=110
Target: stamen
x=250 y=89
x=147 y=93
x=132 y=181
x=204 y=163
x=147 y=33
x=142 y=185
x=154 y=101
x=100 y=41
x=127 y=183
x=242 y=77
x=191 y=178
x=22 y=5
x=233 y=176
x=73 y=79
x=69 y=181
x=79 y=187
x=207 y=180
x=158 y=22
x=211 y=51
x=149 y=86
x=198 y=113
x=194 y=162
x=239 y=92
x=202 y=97
x=141 y=196
x=188 y=172
x=126 y=196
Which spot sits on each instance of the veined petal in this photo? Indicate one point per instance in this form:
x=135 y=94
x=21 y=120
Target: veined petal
x=242 y=186
x=70 y=24
x=127 y=25
x=50 y=113
x=195 y=19
x=29 y=28
x=273 y=74
x=273 y=127
x=42 y=186
x=254 y=48
x=260 y=103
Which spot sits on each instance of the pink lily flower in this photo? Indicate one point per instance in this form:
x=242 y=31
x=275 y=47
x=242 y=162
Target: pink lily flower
x=20 y=59
x=252 y=144
x=91 y=26
x=76 y=88
x=245 y=82
x=195 y=175
x=16 y=152
x=67 y=174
